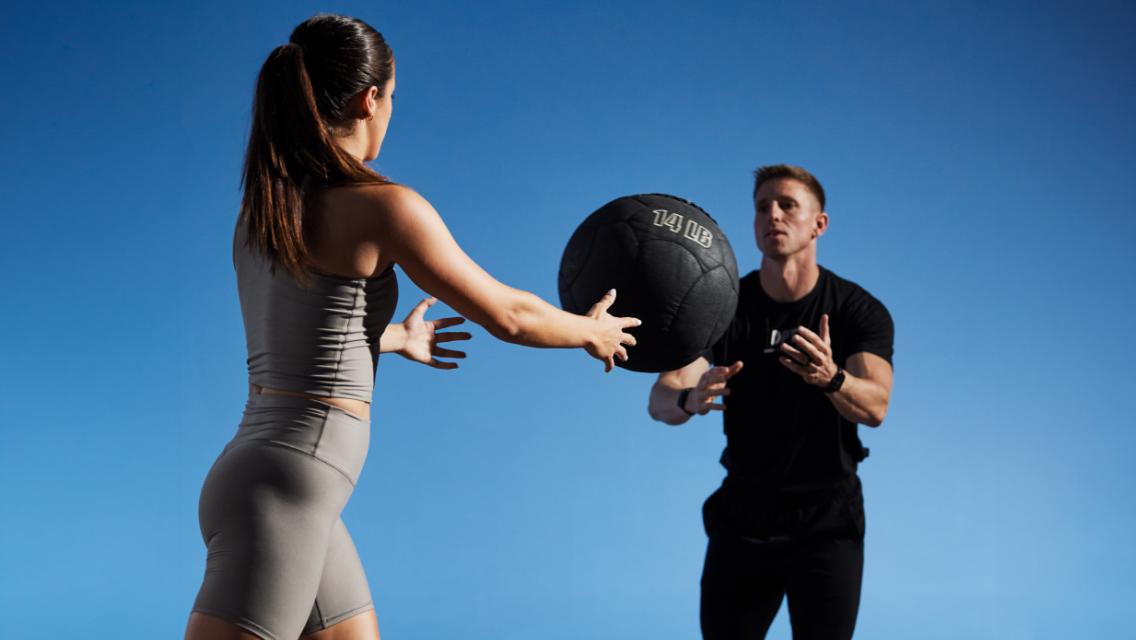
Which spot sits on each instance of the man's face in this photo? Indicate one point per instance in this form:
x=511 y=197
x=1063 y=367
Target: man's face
x=787 y=218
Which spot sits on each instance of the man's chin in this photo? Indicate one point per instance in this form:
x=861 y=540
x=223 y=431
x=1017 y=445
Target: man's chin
x=775 y=253
x=776 y=246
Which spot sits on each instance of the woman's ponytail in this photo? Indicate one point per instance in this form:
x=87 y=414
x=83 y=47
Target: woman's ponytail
x=291 y=150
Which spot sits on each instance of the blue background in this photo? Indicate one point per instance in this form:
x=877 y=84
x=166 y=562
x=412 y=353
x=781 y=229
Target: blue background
x=978 y=160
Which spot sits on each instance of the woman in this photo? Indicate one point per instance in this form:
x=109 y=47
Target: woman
x=316 y=241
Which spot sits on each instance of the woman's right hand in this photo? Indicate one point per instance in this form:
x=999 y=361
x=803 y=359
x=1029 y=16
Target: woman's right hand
x=611 y=335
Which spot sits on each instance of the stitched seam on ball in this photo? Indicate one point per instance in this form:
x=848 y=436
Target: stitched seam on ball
x=587 y=255
x=682 y=303
x=726 y=318
x=669 y=318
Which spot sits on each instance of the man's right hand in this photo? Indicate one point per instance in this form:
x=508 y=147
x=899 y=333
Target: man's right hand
x=712 y=384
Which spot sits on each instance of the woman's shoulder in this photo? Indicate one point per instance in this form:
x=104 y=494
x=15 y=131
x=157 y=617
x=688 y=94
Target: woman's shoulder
x=372 y=199
x=360 y=193
x=390 y=216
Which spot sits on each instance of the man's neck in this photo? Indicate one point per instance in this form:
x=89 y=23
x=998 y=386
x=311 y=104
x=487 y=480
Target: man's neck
x=791 y=278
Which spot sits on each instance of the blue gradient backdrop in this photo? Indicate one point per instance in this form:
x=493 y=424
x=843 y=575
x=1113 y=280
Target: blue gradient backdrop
x=979 y=162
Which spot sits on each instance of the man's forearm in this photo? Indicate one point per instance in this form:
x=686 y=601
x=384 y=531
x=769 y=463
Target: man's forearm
x=663 y=405
x=861 y=400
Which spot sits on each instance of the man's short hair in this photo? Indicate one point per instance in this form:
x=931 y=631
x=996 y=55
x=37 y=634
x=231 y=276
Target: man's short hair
x=778 y=171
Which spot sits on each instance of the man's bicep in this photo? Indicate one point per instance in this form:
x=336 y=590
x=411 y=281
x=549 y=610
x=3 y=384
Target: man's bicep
x=869 y=366
x=687 y=376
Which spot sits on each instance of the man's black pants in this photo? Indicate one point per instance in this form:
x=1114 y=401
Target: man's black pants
x=744 y=581
x=819 y=567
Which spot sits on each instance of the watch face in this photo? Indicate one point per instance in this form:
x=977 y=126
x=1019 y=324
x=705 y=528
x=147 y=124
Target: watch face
x=837 y=381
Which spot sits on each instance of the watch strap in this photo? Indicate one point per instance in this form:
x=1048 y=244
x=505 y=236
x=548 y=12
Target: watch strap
x=681 y=402
x=836 y=383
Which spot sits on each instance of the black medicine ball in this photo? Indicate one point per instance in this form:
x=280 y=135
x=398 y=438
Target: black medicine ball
x=672 y=268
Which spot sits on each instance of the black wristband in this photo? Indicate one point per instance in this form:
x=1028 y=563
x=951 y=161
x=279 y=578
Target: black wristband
x=837 y=381
x=682 y=396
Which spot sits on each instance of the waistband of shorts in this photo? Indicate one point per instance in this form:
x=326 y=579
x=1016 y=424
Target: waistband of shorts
x=261 y=401
x=325 y=432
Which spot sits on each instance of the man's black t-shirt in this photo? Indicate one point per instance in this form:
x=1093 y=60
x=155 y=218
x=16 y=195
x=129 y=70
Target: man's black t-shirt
x=783 y=436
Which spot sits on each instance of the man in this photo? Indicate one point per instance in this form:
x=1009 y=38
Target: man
x=806 y=358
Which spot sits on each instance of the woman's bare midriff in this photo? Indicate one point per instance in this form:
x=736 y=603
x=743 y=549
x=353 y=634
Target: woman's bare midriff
x=358 y=408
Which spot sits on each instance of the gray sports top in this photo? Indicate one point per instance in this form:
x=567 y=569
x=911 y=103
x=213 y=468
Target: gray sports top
x=322 y=339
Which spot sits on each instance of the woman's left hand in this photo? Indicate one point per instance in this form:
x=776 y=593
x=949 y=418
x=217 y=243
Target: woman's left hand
x=423 y=337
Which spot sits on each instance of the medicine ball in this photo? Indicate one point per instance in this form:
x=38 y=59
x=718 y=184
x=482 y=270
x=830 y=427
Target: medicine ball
x=672 y=268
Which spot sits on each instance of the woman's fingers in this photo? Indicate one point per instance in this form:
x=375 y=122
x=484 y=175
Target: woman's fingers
x=442 y=323
x=451 y=336
x=604 y=303
x=448 y=353
x=419 y=309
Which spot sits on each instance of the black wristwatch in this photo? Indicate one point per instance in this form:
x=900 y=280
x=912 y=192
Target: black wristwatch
x=837 y=381
x=682 y=396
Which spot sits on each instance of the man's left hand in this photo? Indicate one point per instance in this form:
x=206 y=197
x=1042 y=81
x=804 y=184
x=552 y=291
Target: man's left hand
x=810 y=355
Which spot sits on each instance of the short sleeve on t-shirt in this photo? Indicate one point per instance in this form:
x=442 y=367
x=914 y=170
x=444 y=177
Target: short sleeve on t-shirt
x=869 y=325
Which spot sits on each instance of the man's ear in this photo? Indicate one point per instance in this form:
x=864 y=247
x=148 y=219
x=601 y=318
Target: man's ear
x=821 y=224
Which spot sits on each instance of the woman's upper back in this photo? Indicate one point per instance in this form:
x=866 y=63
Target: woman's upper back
x=320 y=337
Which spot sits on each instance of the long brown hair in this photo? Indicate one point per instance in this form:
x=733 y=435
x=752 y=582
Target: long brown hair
x=302 y=102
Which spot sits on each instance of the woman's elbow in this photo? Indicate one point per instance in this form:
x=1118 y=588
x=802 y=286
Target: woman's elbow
x=518 y=318
x=499 y=315
x=506 y=325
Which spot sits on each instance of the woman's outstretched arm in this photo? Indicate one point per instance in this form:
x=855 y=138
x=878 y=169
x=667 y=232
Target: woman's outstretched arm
x=412 y=234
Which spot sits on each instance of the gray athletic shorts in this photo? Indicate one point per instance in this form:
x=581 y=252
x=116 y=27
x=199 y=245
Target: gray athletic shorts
x=280 y=561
